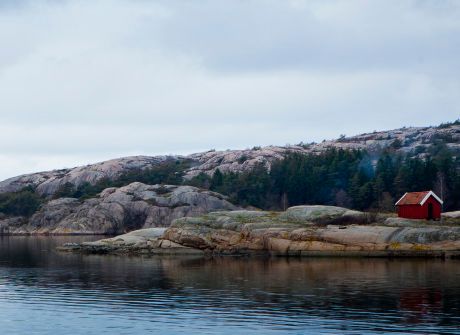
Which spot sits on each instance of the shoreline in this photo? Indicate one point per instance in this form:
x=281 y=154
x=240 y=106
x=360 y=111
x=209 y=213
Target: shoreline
x=370 y=241
x=56 y=234
x=390 y=254
x=300 y=231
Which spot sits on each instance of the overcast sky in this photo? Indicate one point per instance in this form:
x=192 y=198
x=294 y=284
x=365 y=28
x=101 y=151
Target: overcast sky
x=84 y=81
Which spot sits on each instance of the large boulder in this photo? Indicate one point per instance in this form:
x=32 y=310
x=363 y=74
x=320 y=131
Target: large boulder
x=324 y=215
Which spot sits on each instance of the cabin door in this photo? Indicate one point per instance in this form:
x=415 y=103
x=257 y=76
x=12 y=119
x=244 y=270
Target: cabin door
x=430 y=211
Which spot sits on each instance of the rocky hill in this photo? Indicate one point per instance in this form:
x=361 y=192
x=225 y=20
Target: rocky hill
x=117 y=210
x=414 y=140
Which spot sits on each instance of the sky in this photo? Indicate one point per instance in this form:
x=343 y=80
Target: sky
x=88 y=80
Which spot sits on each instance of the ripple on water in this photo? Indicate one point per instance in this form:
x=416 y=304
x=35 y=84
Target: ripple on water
x=52 y=293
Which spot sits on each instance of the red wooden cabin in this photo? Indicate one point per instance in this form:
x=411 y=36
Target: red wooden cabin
x=420 y=205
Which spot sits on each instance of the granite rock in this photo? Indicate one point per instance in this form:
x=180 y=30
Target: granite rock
x=274 y=233
x=118 y=210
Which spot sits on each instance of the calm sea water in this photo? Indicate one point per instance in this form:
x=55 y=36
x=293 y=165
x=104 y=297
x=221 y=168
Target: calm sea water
x=46 y=292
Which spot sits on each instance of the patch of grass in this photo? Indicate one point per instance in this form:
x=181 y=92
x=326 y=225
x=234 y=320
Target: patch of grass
x=420 y=247
x=395 y=245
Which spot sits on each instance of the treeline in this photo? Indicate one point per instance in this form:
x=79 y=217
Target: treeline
x=342 y=178
x=22 y=203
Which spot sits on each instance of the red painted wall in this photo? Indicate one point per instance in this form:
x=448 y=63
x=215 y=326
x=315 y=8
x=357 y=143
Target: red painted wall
x=420 y=212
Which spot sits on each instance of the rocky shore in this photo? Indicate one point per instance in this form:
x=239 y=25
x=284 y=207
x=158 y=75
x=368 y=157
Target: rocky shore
x=300 y=231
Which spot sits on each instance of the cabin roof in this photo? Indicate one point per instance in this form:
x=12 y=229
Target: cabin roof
x=417 y=198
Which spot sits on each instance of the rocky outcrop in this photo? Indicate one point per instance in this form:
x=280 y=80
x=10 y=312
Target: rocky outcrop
x=414 y=140
x=143 y=241
x=118 y=210
x=47 y=183
x=325 y=214
x=238 y=160
x=7 y=223
x=257 y=232
x=405 y=140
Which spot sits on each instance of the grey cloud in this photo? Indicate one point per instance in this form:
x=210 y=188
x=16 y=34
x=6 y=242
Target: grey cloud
x=89 y=80
x=320 y=36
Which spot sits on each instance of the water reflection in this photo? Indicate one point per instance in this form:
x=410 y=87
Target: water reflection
x=222 y=295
